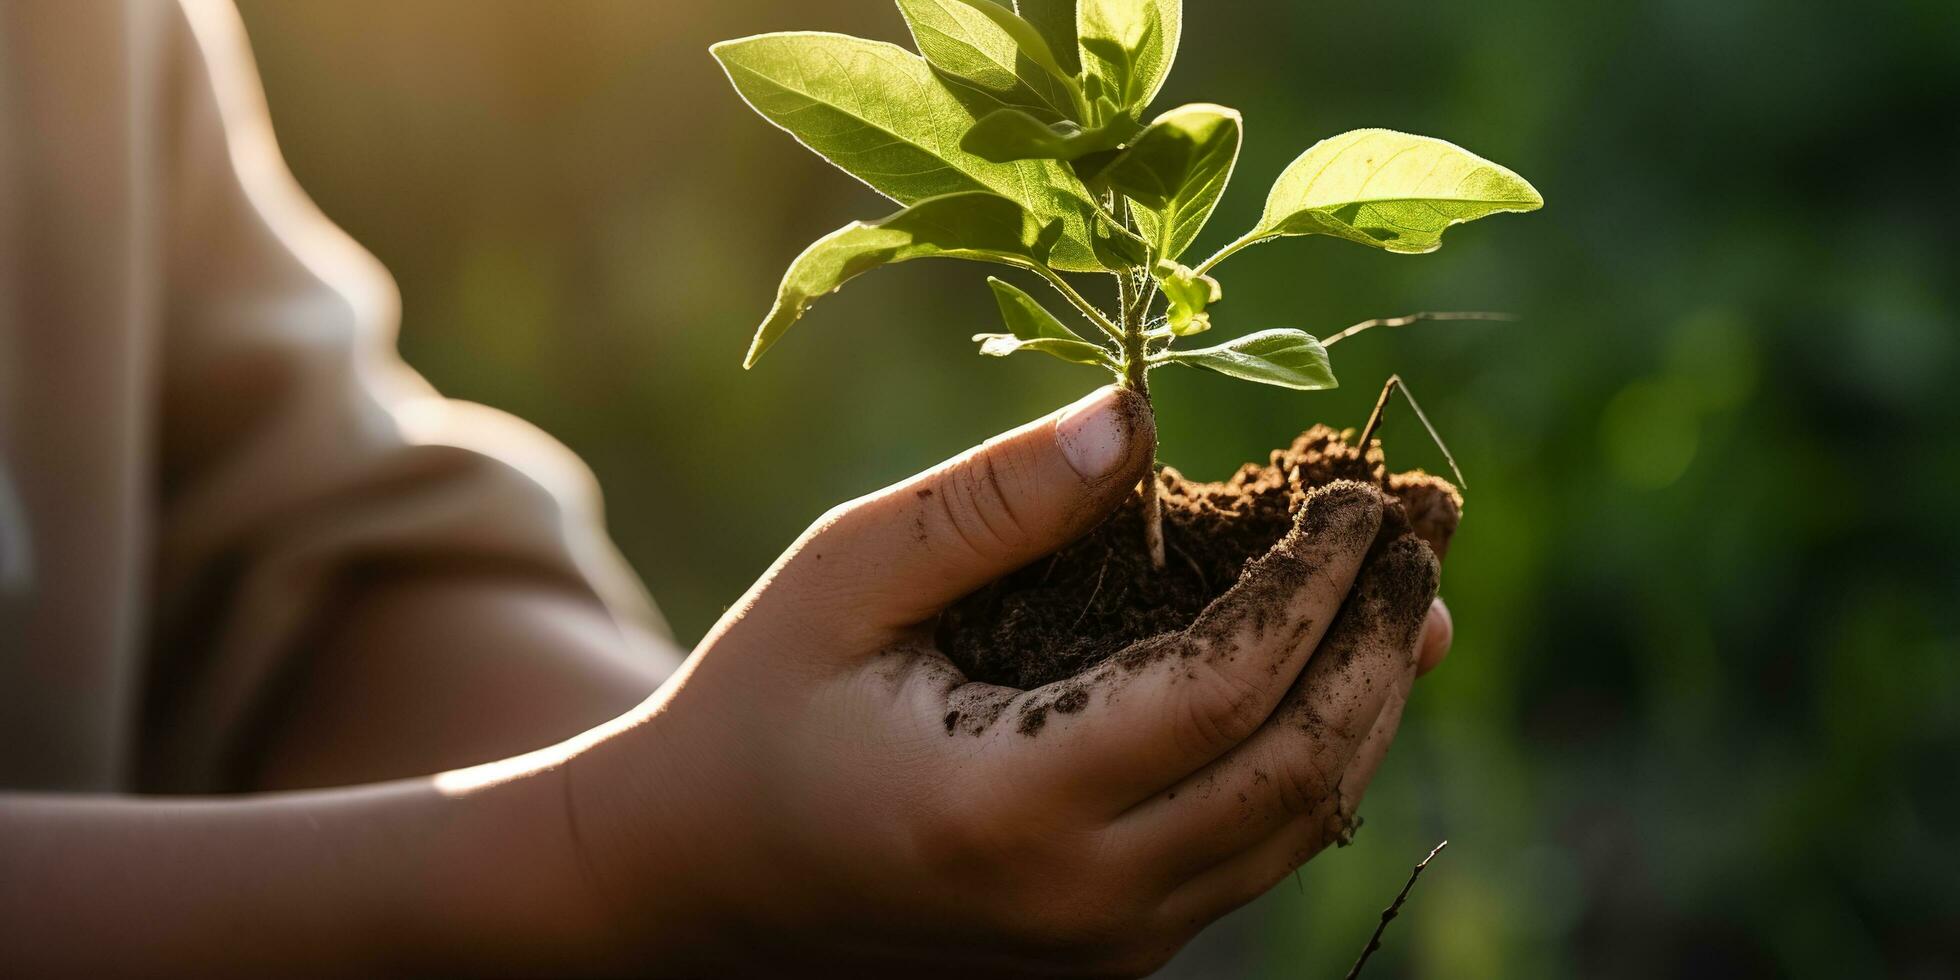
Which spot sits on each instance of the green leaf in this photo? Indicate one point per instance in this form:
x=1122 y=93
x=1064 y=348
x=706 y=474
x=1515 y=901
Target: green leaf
x=1127 y=49
x=881 y=114
x=1025 y=316
x=1072 y=351
x=986 y=46
x=1010 y=134
x=1189 y=294
x=1390 y=190
x=1286 y=358
x=1055 y=19
x=1177 y=170
x=976 y=225
x=1035 y=329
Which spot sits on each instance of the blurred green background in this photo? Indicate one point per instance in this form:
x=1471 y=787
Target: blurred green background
x=1704 y=706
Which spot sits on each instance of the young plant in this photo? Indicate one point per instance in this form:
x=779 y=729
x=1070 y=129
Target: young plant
x=1016 y=137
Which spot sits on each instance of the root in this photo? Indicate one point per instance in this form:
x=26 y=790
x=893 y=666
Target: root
x=1204 y=581
x=1153 y=520
x=1097 y=591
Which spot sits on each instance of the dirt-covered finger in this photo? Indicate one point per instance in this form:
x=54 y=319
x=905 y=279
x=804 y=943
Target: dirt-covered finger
x=1249 y=874
x=1438 y=633
x=882 y=564
x=1368 y=760
x=1165 y=707
x=1244 y=876
x=1299 y=759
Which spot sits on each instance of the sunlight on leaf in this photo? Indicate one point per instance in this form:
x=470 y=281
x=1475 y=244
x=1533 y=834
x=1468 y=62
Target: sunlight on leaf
x=1189 y=294
x=1391 y=190
x=1285 y=358
x=978 y=226
x=1025 y=316
x=1072 y=351
x=1010 y=134
x=1055 y=20
x=1177 y=170
x=985 y=46
x=880 y=113
x=1128 y=47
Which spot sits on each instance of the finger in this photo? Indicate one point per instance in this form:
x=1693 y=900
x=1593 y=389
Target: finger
x=1242 y=877
x=1367 y=761
x=897 y=557
x=1161 y=709
x=1295 y=763
x=1438 y=632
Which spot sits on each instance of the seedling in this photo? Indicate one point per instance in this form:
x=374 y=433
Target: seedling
x=1016 y=137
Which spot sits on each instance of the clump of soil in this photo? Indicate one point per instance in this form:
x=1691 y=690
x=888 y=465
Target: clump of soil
x=1079 y=607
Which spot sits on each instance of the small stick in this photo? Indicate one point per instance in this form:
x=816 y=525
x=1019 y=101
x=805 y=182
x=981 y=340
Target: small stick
x=1375 y=417
x=1403 y=321
x=1389 y=914
x=1395 y=383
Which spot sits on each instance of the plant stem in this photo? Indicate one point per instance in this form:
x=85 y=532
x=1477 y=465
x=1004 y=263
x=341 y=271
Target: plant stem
x=1403 y=321
x=1080 y=302
x=1251 y=238
x=1136 y=377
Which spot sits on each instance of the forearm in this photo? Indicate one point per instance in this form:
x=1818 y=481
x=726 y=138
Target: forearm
x=435 y=672
x=392 y=879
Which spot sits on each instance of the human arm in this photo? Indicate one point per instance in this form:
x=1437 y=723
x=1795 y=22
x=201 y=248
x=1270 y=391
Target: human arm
x=426 y=673
x=780 y=796
x=354 y=578
x=382 y=880
x=794 y=794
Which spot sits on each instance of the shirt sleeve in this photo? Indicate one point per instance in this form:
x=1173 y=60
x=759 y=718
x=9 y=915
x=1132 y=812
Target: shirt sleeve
x=300 y=456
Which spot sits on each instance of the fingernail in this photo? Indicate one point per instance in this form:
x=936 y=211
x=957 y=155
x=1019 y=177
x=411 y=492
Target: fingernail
x=1094 y=433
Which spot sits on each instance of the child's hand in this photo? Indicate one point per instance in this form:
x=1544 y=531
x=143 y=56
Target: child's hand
x=820 y=786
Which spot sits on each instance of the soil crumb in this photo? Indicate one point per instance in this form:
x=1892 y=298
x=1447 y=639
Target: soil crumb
x=1079 y=607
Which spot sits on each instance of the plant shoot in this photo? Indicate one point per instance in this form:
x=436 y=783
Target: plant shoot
x=1018 y=136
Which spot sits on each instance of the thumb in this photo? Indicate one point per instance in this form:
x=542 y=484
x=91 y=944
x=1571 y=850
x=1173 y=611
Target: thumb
x=898 y=557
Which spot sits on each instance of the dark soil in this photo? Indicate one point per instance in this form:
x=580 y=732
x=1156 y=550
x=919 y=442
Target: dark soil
x=1082 y=605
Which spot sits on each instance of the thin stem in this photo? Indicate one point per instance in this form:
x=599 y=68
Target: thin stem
x=1389 y=914
x=1080 y=302
x=1132 y=305
x=1403 y=321
x=1395 y=383
x=1251 y=238
x=1136 y=360
x=1149 y=289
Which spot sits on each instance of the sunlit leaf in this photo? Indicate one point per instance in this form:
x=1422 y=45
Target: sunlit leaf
x=1055 y=19
x=1010 y=134
x=1025 y=316
x=1189 y=295
x=1177 y=170
x=978 y=226
x=1072 y=351
x=881 y=114
x=1128 y=47
x=1390 y=190
x=988 y=47
x=1286 y=358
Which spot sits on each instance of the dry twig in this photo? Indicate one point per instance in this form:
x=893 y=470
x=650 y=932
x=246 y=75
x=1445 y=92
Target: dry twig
x=1389 y=914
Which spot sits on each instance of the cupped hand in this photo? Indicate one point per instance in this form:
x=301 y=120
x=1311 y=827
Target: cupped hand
x=820 y=788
